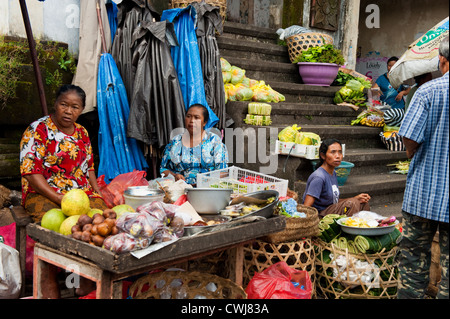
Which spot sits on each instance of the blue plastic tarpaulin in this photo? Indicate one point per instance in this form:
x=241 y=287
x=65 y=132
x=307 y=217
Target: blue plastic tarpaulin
x=186 y=59
x=118 y=153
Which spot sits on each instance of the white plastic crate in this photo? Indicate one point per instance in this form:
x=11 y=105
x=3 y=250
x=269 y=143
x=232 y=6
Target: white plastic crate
x=242 y=181
x=299 y=150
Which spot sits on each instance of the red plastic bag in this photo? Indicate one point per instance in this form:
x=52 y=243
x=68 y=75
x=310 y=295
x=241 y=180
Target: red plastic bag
x=278 y=282
x=113 y=192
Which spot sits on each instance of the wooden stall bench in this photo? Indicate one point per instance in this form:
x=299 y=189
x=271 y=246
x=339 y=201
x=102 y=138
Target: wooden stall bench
x=108 y=269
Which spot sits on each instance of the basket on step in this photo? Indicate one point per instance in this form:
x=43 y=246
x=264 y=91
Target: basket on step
x=297 y=227
x=298 y=43
x=185 y=285
x=222 y=4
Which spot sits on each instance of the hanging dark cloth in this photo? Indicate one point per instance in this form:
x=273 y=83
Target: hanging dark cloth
x=157 y=106
x=209 y=21
x=129 y=14
x=186 y=58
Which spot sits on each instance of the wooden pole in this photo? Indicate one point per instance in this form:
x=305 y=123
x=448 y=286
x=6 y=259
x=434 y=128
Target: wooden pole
x=34 y=59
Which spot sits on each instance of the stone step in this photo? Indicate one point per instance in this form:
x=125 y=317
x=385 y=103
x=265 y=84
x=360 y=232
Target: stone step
x=383 y=188
x=241 y=48
x=356 y=136
x=265 y=70
x=299 y=113
x=252 y=33
x=295 y=92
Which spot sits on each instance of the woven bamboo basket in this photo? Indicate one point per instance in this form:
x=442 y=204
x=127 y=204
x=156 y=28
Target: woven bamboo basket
x=260 y=255
x=334 y=282
x=222 y=4
x=298 y=43
x=297 y=227
x=166 y=285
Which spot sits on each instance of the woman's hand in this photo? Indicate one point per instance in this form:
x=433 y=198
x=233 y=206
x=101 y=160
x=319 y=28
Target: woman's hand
x=363 y=198
x=178 y=177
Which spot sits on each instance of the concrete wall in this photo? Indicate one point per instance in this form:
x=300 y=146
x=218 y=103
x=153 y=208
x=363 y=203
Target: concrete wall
x=400 y=23
x=54 y=20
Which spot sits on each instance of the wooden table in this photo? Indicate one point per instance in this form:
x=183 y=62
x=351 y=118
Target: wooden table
x=108 y=269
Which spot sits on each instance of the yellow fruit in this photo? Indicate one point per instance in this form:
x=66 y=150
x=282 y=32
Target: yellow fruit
x=94 y=211
x=66 y=226
x=122 y=209
x=75 y=202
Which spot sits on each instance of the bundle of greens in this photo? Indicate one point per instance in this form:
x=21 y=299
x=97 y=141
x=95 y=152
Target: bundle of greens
x=342 y=78
x=352 y=92
x=321 y=54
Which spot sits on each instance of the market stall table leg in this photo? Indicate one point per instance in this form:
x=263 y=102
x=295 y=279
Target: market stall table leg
x=44 y=256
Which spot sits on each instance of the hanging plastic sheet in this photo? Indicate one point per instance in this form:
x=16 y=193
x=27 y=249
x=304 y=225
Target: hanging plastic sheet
x=157 y=106
x=186 y=58
x=130 y=14
x=111 y=9
x=118 y=153
x=209 y=21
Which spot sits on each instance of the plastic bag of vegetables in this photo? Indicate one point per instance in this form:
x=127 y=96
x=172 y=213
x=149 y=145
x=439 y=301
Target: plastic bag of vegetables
x=307 y=138
x=225 y=65
x=243 y=93
x=352 y=92
x=258 y=120
x=237 y=75
x=289 y=133
x=226 y=75
x=256 y=108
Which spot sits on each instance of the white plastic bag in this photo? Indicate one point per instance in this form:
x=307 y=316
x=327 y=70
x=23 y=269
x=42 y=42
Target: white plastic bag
x=10 y=275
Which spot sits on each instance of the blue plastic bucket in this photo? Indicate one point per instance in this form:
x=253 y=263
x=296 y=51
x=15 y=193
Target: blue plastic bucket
x=342 y=171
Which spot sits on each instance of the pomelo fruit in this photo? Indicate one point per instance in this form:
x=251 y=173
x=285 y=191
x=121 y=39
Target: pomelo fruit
x=122 y=209
x=75 y=202
x=94 y=211
x=53 y=219
x=66 y=226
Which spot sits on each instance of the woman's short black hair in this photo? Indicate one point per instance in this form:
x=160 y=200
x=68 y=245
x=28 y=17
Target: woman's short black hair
x=324 y=148
x=70 y=87
x=204 y=110
x=393 y=58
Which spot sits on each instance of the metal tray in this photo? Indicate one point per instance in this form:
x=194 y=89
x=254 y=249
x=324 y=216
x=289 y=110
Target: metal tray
x=191 y=230
x=266 y=211
x=372 y=231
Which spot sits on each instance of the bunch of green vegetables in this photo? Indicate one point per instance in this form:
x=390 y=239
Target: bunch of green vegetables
x=321 y=54
x=352 y=92
x=342 y=78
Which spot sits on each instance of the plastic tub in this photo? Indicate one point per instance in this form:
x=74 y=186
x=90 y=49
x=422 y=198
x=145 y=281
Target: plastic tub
x=342 y=172
x=320 y=74
x=139 y=195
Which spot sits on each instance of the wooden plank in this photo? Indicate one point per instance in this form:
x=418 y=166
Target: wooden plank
x=183 y=248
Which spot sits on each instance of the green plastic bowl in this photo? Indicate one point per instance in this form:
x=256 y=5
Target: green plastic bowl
x=342 y=171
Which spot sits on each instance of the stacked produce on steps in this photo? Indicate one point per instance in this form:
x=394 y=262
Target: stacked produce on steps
x=238 y=87
x=258 y=114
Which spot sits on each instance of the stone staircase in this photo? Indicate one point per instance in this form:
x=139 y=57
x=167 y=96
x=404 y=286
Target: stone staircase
x=256 y=50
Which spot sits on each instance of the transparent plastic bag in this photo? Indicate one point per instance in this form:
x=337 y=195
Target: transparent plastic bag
x=139 y=225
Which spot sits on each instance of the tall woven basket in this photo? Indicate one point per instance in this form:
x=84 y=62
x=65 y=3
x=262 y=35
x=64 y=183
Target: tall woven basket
x=222 y=4
x=298 y=43
x=297 y=227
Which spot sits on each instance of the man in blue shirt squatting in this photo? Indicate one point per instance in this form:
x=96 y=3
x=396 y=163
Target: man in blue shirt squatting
x=425 y=132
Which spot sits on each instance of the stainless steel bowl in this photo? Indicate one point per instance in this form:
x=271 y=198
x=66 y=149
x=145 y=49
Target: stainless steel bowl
x=208 y=200
x=136 y=196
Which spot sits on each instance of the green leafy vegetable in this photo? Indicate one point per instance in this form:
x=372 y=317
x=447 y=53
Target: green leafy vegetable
x=321 y=54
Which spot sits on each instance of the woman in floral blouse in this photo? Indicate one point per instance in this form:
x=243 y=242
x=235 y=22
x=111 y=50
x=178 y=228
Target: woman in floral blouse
x=195 y=151
x=56 y=156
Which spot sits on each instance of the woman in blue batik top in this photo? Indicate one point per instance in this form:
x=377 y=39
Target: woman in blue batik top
x=196 y=150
